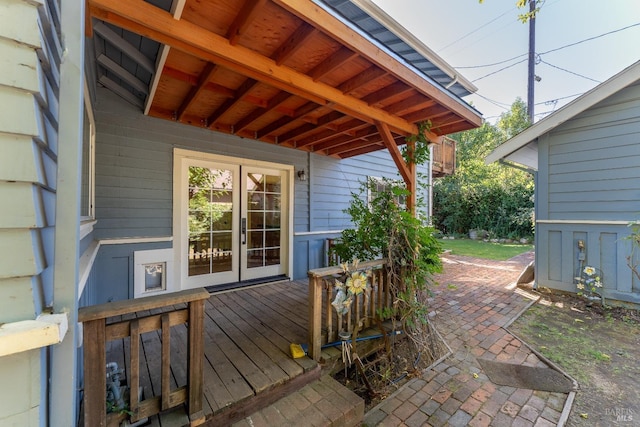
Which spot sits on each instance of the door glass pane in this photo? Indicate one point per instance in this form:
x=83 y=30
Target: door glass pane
x=210 y=220
x=256 y=220
x=272 y=239
x=256 y=239
x=264 y=194
x=255 y=258
x=199 y=254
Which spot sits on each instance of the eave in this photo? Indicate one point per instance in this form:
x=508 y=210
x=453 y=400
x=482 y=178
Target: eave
x=285 y=72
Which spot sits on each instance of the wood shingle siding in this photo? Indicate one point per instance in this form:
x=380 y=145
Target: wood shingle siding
x=29 y=90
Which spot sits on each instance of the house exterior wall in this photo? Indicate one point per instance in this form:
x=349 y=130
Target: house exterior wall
x=134 y=184
x=589 y=189
x=29 y=82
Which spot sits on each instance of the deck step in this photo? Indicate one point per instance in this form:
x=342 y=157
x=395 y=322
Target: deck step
x=324 y=402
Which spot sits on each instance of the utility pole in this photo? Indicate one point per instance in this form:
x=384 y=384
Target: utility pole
x=532 y=59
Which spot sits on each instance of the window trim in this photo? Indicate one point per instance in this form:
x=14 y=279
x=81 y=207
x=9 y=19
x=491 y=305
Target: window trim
x=88 y=220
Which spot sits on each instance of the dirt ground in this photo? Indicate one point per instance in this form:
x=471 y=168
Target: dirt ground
x=598 y=347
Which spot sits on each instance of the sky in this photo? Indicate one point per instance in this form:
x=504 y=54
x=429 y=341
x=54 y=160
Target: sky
x=469 y=35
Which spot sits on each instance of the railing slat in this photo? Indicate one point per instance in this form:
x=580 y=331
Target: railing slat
x=135 y=369
x=315 y=316
x=95 y=381
x=166 y=362
x=196 y=360
x=331 y=333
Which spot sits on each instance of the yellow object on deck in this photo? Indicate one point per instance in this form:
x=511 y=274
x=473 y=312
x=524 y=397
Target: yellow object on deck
x=296 y=351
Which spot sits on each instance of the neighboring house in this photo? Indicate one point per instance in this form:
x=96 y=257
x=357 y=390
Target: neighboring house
x=588 y=185
x=112 y=143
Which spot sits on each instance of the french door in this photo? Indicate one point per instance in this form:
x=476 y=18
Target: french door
x=234 y=220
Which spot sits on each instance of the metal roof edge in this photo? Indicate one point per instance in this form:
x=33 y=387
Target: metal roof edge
x=399 y=30
x=619 y=81
x=424 y=76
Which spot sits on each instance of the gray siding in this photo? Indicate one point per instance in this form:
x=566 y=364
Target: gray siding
x=557 y=258
x=588 y=188
x=591 y=163
x=134 y=186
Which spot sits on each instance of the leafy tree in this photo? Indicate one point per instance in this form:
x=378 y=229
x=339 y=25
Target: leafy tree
x=496 y=198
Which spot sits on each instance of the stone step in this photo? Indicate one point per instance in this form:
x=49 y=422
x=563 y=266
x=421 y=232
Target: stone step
x=324 y=402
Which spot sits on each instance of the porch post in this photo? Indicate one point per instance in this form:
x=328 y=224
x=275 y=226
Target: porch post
x=63 y=391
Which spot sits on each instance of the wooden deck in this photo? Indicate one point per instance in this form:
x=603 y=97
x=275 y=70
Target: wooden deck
x=247 y=362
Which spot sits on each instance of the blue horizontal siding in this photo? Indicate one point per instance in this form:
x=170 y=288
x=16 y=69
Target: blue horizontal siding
x=557 y=261
x=589 y=165
x=134 y=188
x=588 y=179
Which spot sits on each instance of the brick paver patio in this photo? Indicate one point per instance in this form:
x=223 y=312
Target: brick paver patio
x=473 y=303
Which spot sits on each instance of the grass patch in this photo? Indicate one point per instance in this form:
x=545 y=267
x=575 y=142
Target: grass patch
x=485 y=250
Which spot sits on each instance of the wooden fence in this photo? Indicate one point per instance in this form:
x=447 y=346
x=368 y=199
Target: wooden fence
x=97 y=332
x=324 y=323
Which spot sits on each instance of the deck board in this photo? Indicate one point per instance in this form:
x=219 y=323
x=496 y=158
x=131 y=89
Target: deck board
x=247 y=333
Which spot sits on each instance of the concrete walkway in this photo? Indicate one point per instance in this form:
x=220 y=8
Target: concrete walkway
x=474 y=301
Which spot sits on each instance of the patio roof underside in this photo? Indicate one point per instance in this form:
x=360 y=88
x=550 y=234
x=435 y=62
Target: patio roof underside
x=286 y=72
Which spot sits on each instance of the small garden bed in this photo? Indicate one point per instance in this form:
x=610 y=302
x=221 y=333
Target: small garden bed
x=383 y=372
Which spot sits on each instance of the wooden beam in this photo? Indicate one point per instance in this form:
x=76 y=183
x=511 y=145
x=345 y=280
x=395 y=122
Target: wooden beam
x=150 y=21
x=244 y=89
x=396 y=155
x=203 y=79
x=387 y=92
x=283 y=121
x=310 y=127
x=293 y=43
x=193 y=81
x=334 y=61
x=120 y=91
x=125 y=75
x=369 y=75
x=124 y=46
x=249 y=11
x=321 y=19
x=272 y=104
x=412 y=102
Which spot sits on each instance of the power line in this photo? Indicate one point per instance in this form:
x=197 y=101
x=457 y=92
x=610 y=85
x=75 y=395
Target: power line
x=501 y=69
x=553 y=50
x=591 y=38
x=491 y=65
x=559 y=99
x=570 y=72
x=498 y=104
x=477 y=29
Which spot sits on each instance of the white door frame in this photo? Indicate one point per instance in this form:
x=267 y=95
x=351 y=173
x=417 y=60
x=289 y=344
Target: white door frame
x=182 y=158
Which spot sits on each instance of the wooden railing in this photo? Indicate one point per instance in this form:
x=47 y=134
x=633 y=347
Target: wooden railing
x=444 y=158
x=323 y=320
x=97 y=333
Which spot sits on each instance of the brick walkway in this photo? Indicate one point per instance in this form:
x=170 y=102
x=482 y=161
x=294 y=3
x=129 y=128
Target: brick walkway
x=472 y=304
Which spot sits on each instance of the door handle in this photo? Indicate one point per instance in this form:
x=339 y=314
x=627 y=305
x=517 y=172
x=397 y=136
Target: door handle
x=243 y=230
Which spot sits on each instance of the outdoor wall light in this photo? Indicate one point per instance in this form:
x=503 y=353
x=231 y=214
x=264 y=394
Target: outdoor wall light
x=302 y=176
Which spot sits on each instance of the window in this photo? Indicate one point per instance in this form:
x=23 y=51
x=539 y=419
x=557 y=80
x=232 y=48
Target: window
x=379 y=185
